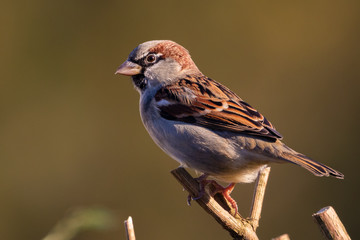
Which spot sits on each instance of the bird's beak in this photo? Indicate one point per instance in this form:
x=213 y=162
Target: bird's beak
x=129 y=68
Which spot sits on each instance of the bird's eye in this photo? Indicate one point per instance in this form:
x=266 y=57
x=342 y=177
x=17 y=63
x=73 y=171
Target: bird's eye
x=151 y=58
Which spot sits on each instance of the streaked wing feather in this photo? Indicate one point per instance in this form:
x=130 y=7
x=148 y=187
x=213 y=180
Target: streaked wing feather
x=202 y=101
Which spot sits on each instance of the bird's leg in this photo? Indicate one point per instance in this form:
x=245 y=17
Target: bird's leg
x=225 y=191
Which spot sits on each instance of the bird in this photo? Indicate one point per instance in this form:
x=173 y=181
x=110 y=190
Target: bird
x=201 y=123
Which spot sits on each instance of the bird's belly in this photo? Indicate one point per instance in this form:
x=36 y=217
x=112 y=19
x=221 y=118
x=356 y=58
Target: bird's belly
x=206 y=151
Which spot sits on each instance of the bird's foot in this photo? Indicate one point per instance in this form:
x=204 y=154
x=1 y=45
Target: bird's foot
x=225 y=191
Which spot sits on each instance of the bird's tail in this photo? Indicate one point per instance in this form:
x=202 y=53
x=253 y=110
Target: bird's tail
x=318 y=169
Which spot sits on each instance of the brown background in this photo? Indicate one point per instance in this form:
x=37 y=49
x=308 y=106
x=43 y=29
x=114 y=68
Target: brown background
x=71 y=135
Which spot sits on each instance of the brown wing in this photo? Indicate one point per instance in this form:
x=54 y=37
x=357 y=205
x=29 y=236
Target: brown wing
x=207 y=103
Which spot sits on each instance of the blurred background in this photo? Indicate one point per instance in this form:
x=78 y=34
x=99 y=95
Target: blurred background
x=71 y=136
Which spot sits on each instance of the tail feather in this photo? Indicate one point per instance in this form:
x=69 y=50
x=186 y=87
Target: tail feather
x=315 y=167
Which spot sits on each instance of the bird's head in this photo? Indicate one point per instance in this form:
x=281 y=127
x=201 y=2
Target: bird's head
x=157 y=63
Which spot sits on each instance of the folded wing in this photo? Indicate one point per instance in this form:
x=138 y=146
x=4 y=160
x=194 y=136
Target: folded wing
x=205 y=102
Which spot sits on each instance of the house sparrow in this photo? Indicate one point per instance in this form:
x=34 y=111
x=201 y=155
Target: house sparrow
x=201 y=123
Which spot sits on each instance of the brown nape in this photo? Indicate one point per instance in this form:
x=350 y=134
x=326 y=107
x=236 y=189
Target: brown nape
x=176 y=52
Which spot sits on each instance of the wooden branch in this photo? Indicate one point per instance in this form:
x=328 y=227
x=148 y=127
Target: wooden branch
x=129 y=229
x=217 y=206
x=258 y=198
x=330 y=224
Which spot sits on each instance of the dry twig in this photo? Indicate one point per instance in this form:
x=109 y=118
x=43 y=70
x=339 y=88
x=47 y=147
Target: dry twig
x=129 y=229
x=238 y=227
x=330 y=224
x=258 y=198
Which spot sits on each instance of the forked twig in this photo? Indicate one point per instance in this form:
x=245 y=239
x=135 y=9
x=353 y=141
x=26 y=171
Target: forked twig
x=217 y=206
x=245 y=228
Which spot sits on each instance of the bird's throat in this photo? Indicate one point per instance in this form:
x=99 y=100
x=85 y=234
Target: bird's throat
x=140 y=82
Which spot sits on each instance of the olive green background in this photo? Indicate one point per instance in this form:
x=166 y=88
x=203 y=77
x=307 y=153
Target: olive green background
x=71 y=135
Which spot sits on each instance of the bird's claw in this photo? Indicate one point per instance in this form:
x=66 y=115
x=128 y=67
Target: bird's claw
x=202 y=183
x=225 y=191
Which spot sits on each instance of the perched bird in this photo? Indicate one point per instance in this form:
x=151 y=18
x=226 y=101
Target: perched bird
x=201 y=123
